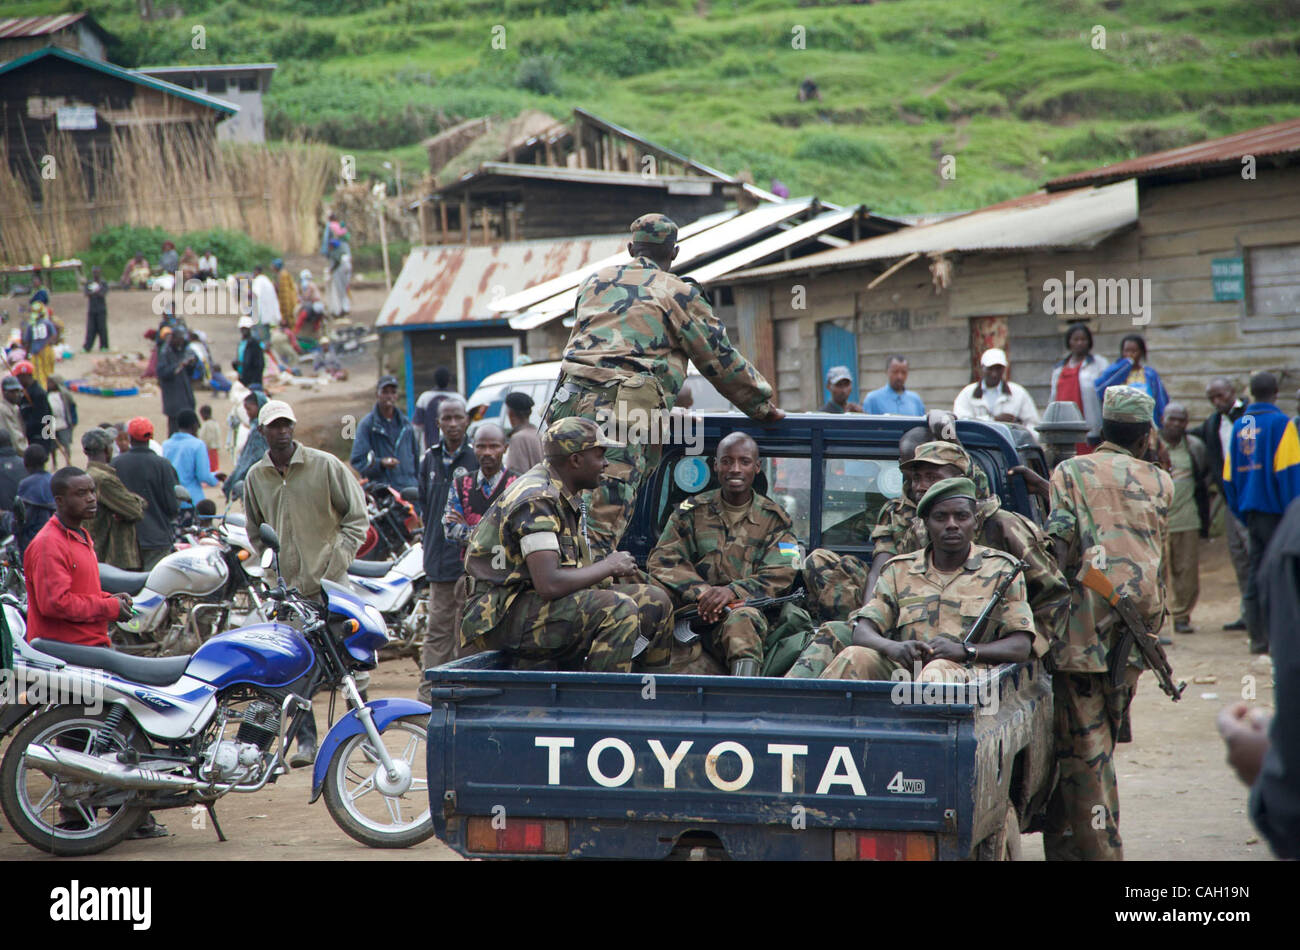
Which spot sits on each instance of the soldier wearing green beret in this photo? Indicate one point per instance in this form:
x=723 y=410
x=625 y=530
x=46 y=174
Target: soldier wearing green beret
x=925 y=602
x=538 y=594
x=731 y=544
x=637 y=325
x=1109 y=509
x=834 y=587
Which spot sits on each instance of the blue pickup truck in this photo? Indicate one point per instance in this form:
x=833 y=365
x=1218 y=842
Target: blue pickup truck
x=570 y=764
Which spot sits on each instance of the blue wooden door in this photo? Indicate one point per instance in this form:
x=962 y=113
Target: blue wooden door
x=838 y=347
x=483 y=361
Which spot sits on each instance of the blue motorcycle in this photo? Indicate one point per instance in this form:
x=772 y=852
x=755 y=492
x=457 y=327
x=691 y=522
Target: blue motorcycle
x=107 y=737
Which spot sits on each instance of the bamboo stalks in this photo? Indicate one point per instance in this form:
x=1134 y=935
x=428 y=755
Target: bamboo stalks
x=168 y=174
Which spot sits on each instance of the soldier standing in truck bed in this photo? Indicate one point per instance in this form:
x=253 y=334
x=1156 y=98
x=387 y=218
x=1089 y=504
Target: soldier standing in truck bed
x=637 y=326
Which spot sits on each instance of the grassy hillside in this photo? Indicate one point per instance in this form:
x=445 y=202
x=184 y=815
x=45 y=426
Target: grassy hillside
x=1015 y=90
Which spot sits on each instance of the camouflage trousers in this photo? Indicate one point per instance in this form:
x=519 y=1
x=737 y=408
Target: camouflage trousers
x=611 y=504
x=831 y=655
x=1083 y=813
x=836 y=584
x=739 y=636
x=595 y=628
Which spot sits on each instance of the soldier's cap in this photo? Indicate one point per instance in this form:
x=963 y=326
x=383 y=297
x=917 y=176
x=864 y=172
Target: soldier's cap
x=275 y=409
x=942 y=491
x=574 y=434
x=1127 y=404
x=837 y=373
x=939 y=453
x=654 y=228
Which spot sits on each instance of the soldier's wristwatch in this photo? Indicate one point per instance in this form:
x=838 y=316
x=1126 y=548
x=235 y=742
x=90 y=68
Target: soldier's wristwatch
x=971 y=654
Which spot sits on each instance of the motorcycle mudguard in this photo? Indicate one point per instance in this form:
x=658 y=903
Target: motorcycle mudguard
x=384 y=711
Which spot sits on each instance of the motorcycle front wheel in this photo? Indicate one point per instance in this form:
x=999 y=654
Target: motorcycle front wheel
x=355 y=786
x=60 y=816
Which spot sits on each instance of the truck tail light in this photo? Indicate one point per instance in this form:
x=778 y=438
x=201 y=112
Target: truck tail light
x=885 y=846
x=519 y=836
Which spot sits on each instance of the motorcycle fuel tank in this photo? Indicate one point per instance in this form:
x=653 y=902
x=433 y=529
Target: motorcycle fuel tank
x=265 y=654
x=197 y=571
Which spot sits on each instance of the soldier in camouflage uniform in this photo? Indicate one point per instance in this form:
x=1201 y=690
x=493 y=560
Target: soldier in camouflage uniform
x=637 y=325
x=537 y=592
x=925 y=603
x=727 y=545
x=995 y=527
x=1110 y=509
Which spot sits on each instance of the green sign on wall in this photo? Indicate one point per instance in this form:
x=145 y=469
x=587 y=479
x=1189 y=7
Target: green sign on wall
x=1229 y=276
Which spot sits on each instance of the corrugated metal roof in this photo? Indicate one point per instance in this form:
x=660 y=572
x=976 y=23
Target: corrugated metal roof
x=693 y=244
x=207 y=70
x=130 y=75
x=1079 y=218
x=454 y=283
x=1267 y=140
x=590 y=176
x=37 y=25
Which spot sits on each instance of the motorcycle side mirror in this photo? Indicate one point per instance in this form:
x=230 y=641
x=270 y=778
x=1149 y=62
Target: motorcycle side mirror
x=269 y=537
x=181 y=493
x=410 y=494
x=268 y=559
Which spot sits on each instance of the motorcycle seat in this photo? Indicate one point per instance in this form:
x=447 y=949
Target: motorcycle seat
x=117 y=581
x=370 y=568
x=149 y=670
x=236 y=519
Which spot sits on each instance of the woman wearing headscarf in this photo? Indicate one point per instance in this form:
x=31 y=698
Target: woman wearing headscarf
x=254 y=447
x=1074 y=380
x=1129 y=370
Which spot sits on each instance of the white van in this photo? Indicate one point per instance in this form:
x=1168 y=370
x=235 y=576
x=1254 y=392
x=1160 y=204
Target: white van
x=488 y=402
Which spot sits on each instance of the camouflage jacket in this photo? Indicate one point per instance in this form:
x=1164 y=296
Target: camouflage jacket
x=1002 y=530
x=1112 y=510
x=893 y=525
x=535 y=513
x=697 y=550
x=636 y=319
x=913 y=601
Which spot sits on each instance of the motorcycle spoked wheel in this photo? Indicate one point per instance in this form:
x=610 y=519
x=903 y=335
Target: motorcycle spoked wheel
x=31 y=799
x=353 y=788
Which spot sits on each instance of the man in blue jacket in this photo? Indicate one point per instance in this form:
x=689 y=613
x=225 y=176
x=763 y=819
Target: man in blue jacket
x=1261 y=476
x=384 y=450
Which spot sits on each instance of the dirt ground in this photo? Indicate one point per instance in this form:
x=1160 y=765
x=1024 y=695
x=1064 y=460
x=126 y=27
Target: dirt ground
x=1179 y=800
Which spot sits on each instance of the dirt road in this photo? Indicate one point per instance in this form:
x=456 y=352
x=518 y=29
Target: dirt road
x=1179 y=801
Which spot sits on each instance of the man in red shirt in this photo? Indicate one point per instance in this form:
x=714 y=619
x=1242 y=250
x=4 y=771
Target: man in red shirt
x=64 y=599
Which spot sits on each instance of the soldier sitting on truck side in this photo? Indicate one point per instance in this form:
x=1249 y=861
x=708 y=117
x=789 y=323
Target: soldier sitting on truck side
x=731 y=544
x=925 y=603
x=536 y=593
x=995 y=527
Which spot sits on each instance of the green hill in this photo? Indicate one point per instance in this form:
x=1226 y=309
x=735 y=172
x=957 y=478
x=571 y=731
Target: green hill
x=1015 y=90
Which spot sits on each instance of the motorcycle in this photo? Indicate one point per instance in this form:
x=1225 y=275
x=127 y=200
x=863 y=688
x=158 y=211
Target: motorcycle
x=399 y=591
x=394 y=523
x=182 y=732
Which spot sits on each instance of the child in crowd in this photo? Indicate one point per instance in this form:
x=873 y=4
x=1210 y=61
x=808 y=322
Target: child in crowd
x=210 y=433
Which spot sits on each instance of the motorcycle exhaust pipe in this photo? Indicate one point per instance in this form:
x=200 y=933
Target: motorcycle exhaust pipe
x=78 y=766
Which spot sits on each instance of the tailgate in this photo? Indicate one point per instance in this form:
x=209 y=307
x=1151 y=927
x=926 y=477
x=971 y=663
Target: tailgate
x=793 y=755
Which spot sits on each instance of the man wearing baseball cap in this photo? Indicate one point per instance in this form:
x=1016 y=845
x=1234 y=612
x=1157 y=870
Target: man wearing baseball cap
x=994 y=397
x=152 y=477
x=250 y=361
x=1110 y=510
x=637 y=327
x=315 y=505
x=384 y=450
x=552 y=601
x=840 y=383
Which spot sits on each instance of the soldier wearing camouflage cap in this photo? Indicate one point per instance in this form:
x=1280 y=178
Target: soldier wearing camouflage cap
x=538 y=593
x=925 y=603
x=1110 y=509
x=637 y=325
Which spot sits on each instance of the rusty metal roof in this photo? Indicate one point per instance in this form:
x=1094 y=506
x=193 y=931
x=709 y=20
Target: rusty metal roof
x=455 y=283
x=1082 y=217
x=40 y=25
x=1276 y=139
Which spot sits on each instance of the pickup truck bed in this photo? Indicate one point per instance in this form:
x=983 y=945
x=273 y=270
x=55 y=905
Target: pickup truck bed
x=571 y=764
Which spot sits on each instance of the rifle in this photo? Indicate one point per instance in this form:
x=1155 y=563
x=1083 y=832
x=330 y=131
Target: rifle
x=999 y=592
x=683 y=633
x=1135 y=633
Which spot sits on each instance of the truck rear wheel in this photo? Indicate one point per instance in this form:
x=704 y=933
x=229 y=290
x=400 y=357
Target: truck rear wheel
x=1003 y=844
